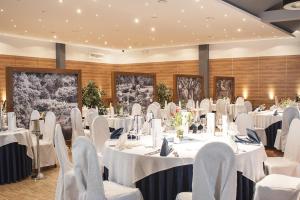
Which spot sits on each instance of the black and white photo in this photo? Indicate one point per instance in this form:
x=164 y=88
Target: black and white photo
x=188 y=87
x=224 y=87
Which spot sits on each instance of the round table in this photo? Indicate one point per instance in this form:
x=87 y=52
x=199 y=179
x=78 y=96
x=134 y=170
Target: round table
x=123 y=122
x=134 y=167
x=16 y=155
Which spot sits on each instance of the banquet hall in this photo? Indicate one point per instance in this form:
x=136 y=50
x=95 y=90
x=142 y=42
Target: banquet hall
x=150 y=100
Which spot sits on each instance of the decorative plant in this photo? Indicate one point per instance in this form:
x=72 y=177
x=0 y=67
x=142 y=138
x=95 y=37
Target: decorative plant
x=92 y=97
x=163 y=94
x=286 y=102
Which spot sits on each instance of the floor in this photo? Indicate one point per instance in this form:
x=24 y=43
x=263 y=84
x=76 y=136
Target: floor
x=29 y=189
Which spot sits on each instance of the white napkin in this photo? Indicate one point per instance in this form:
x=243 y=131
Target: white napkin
x=121 y=143
x=11 y=118
x=211 y=123
x=156 y=132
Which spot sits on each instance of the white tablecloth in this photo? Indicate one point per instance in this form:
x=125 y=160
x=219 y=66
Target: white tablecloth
x=131 y=165
x=264 y=119
x=20 y=136
x=230 y=108
x=121 y=122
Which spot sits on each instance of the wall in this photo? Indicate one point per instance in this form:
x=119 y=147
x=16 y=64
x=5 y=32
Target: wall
x=99 y=72
x=259 y=79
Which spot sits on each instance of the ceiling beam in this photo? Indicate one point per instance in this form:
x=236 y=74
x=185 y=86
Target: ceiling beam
x=280 y=15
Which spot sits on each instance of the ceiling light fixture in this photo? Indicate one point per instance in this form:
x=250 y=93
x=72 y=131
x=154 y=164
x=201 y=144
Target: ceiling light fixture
x=136 y=20
x=60 y=1
x=291 y=4
x=239 y=30
x=54 y=36
x=1 y=10
x=78 y=11
x=153 y=29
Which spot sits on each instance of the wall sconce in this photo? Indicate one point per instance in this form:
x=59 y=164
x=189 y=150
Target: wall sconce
x=271 y=94
x=245 y=93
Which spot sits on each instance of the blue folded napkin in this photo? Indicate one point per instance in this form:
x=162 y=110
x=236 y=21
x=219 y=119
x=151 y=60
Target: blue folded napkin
x=275 y=113
x=111 y=129
x=202 y=116
x=165 y=148
x=194 y=128
x=131 y=136
x=116 y=133
x=200 y=127
x=252 y=135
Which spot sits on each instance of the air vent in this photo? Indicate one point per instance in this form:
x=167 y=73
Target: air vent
x=96 y=56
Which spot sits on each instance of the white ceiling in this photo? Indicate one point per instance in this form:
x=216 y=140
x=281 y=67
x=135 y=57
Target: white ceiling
x=111 y=23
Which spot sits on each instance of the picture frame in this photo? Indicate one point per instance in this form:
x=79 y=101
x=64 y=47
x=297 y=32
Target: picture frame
x=224 y=86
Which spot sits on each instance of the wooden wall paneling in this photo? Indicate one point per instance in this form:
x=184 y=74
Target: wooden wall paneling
x=293 y=76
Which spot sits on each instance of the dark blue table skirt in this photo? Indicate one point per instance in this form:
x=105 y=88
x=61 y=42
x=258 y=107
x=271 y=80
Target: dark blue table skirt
x=271 y=133
x=166 y=184
x=15 y=165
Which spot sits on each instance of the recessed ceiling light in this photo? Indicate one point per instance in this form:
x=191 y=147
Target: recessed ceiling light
x=239 y=30
x=130 y=47
x=201 y=7
x=86 y=41
x=15 y=26
x=78 y=11
x=1 y=10
x=39 y=20
x=225 y=15
x=54 y=36
x=153 y=29
x=26 y=31
x=67 y=21
x=97 y=15
x=197 y=1
x=105 y=42
x=60 y=1
x=136 y=20
x=244 y=19
x=147 y=4
x=182 y=10
x=109 y=5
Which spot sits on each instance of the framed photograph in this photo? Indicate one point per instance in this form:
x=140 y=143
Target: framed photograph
x=129 y=88
x=56 y=90
x=224 y=87
x=188 y=87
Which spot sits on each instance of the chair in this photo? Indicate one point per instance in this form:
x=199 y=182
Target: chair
x=240 y=101
x=277 y=187
x=289 y=114
x=91 y=114
x=190 y=104
x=248 y=106
x=153 y=108
x=171 y=110
x=157 y=104
x=289 y=164
x=89 y=179
x=99 y=132
x=213 y=183
x=136 y=109
x=244 y=121
x=66 y=188
x=205 y=106
x=47 y=152
x=76 y=121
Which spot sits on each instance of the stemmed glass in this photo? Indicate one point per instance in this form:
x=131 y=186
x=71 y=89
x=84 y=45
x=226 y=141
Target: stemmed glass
x=203 y=124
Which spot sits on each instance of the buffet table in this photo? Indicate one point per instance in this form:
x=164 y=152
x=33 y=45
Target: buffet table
x=162 y=178
x=16 y=155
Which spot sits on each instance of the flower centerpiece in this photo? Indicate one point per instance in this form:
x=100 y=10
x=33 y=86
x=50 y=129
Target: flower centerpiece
x=181 y=121
x=286 y=102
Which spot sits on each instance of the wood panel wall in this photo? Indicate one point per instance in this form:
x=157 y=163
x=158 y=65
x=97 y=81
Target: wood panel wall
x=260 y=78
x=257 y=78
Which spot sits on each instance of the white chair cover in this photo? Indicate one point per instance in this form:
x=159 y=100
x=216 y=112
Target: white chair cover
x=277 y=187
x=190 y=104
x=289 y=164
x=244 y=121
x=205 y=106
x=289 y=114
x=99 y=132
x=214 y=173
x=153 y=108
x=248 y=106
x=47 y=152
x=76 y=121
x=66 y=188
x=136 y=109
x=171 y=109
x=240 y=101
x=90 y=116
x=89 y=179
x=50 y=121
x=157 y=104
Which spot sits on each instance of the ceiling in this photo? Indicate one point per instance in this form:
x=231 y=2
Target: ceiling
x=126 y=24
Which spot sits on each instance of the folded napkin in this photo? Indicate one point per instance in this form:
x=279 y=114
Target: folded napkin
x=202 y=116
x=111 y=129
x=194 y=128
x=275 y=113
x=251 y=138
x=165 y=148
x=200 y=127
x=116 y=133
x=252 y=135
x=131 y=137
